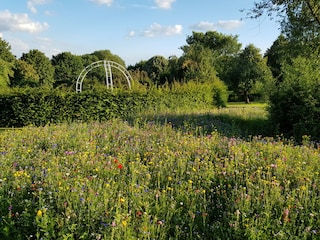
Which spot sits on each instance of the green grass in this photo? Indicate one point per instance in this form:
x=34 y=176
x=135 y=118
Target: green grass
x=156 y=180
x=236 y=120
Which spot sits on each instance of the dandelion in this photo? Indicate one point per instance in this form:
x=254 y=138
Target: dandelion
x=190 y=181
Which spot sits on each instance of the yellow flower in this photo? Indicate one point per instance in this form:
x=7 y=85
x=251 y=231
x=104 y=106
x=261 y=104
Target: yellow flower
x=169 y=178
x=190 y=181
x=303 y=188
x=124 y=223
x=121 y=200
x=39 y=213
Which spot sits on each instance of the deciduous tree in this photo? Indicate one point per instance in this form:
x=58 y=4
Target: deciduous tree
x=42 y=65
x=67 y=67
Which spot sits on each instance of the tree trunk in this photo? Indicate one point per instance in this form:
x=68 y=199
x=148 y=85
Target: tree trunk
x=246 y=95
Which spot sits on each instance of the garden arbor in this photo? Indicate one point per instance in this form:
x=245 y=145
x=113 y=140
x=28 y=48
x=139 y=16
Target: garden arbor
x=108 y=65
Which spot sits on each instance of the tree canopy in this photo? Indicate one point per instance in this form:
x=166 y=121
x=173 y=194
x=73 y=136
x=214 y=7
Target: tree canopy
x=300 y=19
x=42 y=65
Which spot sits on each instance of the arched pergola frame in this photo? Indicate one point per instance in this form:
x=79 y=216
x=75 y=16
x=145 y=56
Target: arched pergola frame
x=108 y=65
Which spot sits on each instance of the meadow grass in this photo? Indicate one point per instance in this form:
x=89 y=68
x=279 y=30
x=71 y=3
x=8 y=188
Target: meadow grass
x=156 y=179
x=236 y=120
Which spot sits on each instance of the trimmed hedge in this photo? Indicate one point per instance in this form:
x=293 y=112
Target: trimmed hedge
x=40 y=107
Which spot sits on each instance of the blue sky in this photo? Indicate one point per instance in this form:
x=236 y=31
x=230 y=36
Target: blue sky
x=132 y=29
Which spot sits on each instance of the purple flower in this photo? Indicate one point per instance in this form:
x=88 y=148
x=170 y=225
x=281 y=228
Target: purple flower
x=69 y=152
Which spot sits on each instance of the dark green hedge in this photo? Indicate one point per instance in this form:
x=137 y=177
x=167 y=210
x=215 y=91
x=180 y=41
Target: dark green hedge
x=40 y=107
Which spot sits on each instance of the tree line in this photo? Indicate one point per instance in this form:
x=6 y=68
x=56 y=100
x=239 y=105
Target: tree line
x=207 y=57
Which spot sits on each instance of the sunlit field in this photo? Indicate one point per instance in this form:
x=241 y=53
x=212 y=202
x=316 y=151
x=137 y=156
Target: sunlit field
x=177 y=176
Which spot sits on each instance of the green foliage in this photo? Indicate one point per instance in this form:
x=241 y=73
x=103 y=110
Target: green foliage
x=5 y=52
x=42 y=65
x=24 y=75
x=67 y=68
x=5 y=73
x=118 y=181
x=295 y=104
x=249 y=69
x=98 y=75
x=40 y=107
x=300 y=20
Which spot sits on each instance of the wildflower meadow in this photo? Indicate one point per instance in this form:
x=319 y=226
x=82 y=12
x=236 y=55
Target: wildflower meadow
x=150 y=180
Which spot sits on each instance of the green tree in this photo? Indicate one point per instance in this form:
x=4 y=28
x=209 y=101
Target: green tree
x=42 y=65
x=24 y=75
x=6 y=64
x=220 y=44
x=197 y=64
x=277 y=55
x=300 y=20
x=5 y=73
x=295 y=103
x=97 y=77
x=156 y=67
x=210 y=51
x=67 y=68
x=249 y=69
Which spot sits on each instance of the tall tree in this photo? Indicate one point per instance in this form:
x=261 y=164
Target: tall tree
x=98 y=76
x=250 y=68
x=42 y=65
x=215 y=50
x=155 y=67
x=5 y=73
x=197 y=63
x=67 y=67
x=277 y=55
x=300 y=19
x=24 y=75
x=6 y=63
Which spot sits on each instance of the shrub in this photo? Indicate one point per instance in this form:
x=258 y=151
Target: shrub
x=295 y=104
x=40 y=106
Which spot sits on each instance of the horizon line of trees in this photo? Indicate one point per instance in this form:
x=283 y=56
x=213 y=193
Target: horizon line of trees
x=207 y=57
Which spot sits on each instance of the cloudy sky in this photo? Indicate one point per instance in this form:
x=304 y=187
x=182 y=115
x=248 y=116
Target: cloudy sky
x=132 y=29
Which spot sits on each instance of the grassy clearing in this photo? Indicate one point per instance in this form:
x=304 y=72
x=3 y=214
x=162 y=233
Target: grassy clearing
x=236 y=120
x=155 y=180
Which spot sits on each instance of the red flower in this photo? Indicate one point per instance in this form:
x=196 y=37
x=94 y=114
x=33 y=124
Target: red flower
x=138 y=214
x=120 y=166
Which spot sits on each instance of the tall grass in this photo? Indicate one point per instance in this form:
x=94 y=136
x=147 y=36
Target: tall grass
x=153 y=181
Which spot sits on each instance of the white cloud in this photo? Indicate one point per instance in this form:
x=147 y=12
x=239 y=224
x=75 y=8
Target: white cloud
x=131 y=34
x=157 y=30
x=103 y=2
x=17 y=22
x=230 y=24
x=209 y=26
x=164 y=4
x=33 y=3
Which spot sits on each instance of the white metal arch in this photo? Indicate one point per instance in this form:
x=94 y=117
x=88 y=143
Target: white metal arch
x=107 y=66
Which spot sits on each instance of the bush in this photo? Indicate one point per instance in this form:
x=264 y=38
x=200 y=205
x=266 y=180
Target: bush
x=295 y=104
x=40 y=107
